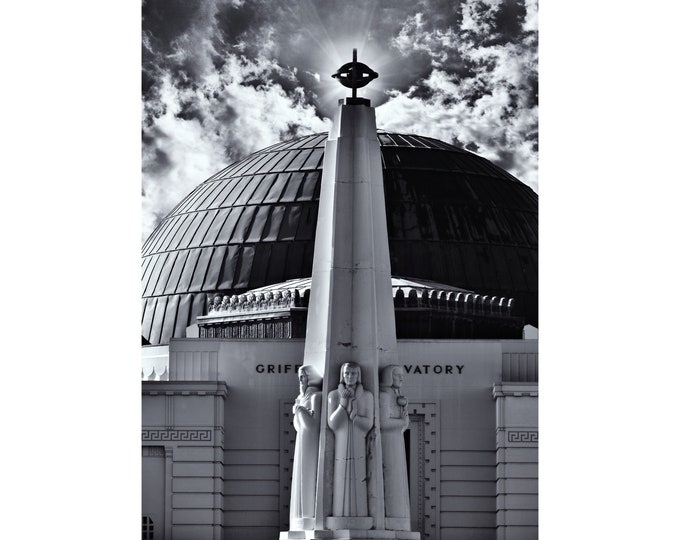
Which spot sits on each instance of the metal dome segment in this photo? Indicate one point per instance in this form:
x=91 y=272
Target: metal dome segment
x=453 y=217
x=250 y=224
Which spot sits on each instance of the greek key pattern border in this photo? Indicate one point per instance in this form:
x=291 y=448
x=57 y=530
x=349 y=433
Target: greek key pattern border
x=523 y=436
x=177 y=435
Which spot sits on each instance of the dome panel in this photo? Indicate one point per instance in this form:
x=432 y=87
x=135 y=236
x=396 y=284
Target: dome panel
x=245 y=267
x=264 y=184
x=183 y=318
x=228 y=268
x=165 y=238
x=157 y=323
x=164 y=275
x=258 y=273
x=290 y=193
x=169 y=319
x=147 y=316
x=453 y=217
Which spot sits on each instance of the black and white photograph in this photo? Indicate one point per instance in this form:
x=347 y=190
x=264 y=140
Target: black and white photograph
x=340 y=270
x=322 y=216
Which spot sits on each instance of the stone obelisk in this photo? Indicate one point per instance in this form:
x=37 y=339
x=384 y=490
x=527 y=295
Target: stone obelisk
x=350 y=324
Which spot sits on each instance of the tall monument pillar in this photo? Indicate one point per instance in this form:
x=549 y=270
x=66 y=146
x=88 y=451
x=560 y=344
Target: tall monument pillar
x=350 y=328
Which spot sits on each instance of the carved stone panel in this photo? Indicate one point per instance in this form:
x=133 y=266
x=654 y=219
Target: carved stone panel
x=286 y=453
x=424 y=469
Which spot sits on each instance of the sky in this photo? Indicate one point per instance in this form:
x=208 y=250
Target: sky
x=224 y=78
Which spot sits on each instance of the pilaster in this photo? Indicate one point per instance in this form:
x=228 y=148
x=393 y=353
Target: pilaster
x=516 y=460
x=186 y=418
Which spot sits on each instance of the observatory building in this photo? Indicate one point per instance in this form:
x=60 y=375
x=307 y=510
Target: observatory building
x=232 y=286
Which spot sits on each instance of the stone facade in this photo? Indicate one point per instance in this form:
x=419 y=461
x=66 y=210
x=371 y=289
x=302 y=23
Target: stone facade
x=183 y=458
x=225 y=457
x=517 y=460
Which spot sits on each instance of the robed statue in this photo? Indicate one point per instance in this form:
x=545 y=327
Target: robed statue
x=350 y=417
x=393 y=422
x=306 y=420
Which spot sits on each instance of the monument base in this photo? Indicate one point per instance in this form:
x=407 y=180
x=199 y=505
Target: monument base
x=348 y=534
x=362 y=523
x=398 y=523
x=301 y=524
x=354 y=534
x=305 y=535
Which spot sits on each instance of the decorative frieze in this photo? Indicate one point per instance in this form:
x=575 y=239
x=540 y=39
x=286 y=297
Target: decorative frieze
x=463 y=302
x=282 y=299
x=176 y=434
x=153 y=376
x=516 y=438
x=522 y=436
x=422 y=310
x=276 y=328
x=411 y=296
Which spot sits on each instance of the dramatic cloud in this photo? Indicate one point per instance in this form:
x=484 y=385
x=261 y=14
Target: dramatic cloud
x=198 y=117
x=489 y=104
x=223 y=78
x=193 y=130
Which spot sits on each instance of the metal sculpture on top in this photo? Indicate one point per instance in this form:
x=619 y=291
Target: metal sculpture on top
x=354 y=74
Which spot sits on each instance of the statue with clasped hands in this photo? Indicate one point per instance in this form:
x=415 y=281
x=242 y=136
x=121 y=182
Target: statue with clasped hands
x=350 y=417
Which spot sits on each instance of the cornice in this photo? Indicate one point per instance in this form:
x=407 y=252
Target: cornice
x=185 y=388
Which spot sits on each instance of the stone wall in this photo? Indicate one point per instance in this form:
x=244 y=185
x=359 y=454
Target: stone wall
x=184 y=421
x=517 y=460
x=466 y=482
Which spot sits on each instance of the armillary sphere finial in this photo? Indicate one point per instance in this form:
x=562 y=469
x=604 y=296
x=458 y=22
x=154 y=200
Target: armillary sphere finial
x=354 y=74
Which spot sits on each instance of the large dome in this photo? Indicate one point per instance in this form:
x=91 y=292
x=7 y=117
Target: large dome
x=452 y=217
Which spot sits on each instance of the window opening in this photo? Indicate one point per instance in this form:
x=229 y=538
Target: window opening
x=147 y=528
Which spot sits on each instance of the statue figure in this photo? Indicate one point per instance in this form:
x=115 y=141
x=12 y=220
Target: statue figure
x=306 y=420
x=215 y=304
x=350 y=416
x=393 y=422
